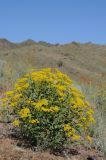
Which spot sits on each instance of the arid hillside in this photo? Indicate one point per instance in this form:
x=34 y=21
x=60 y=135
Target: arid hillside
x=83 y=62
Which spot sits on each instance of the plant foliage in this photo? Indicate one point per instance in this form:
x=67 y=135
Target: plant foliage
x=48 y=109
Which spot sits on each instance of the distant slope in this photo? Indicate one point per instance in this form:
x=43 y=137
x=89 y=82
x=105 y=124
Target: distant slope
x=83 y=62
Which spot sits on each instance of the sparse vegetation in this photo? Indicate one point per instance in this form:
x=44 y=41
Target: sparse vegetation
x=97 y=97
x=84 y=62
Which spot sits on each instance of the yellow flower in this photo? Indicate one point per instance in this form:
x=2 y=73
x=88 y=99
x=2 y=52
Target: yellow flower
x=76 y=137
x=40 y=103
x=79 y=125
x=91 y=119
x=21 y=80
x=90 y=112
x=4 y=104
x=34 y=121
x=50 y=109
x=60 y=93
x=16 y=122
x=45 y=109
x=83 y=119
x=61 y=99
x=25 y=112
x=54 y=109
x=4 y=99
x=28 y=102
x=9 y=93
x=18 y=88
x=67 y=127
x=61 y=87
x=21 y=86
x=44 y=102
x=69 y=134
x=79 y=102
x=26 y=85
x=13 y=104
x=89 y=139
x=87 y=103
x=69 y=130
x=47 y=70
x=17 y=96
x=75 y=90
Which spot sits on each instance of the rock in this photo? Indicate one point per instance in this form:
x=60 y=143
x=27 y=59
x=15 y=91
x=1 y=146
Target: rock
x=91 y=158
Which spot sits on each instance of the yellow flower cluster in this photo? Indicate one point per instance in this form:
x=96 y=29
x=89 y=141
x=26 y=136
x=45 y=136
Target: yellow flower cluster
x=40 y=103
x=9 y=93
x=25 y=112
x=47 y=95
x=16 y=123
x=89 y=139
x=67 y=127
x=70 y=131
x=51 y=109
x=34 y=121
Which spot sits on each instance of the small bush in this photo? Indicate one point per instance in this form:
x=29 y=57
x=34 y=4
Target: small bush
x=48 y=109
x=60 y=63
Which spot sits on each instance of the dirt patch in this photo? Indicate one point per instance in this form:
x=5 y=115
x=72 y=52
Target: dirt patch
x=10 y=151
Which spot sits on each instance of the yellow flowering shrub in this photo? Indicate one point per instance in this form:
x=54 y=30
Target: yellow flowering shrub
x=48 y=109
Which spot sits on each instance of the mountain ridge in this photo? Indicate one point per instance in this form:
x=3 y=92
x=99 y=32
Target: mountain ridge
x=29 y=41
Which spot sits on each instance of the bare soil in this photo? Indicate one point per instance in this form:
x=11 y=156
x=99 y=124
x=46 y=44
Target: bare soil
x=9 y=150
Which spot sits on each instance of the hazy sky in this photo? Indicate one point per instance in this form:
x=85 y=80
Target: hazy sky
x=55 y=21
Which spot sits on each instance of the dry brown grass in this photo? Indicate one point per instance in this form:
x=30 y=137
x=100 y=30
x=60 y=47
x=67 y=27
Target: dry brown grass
x=80 y=61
